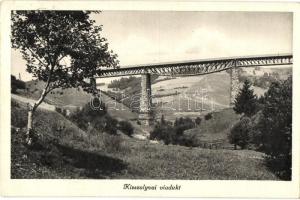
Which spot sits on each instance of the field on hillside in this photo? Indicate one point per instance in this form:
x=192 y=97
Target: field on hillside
x=71 y=97
x=73 y=153
x=193 y=95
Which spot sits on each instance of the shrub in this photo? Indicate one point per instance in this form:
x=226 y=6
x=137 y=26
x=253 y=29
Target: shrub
x=126 y=127
x=82 y=117
x=111 y=125
x=172 y=134
x=208 y=116
x=164 y=132
x=239 y=134
x=189 y=140
x=198 y=121
x=183 y=124
x=58 y=109
x=64 y=112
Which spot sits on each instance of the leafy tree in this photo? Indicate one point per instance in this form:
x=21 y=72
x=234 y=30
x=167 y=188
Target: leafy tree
x=239 y=134
x=276 y=127
x=245 y=102
x=48 y=40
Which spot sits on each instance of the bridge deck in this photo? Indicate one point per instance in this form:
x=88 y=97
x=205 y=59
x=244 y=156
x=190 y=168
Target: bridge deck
x=198 y=67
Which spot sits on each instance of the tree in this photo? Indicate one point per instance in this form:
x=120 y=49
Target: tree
x=239 y=134
x=276 y=127
x=245 y=102
x=48 y=40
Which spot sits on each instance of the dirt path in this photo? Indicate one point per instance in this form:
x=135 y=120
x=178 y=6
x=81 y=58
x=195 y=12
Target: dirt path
x=43 y=105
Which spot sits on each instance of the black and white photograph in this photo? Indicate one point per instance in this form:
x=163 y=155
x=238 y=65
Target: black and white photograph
x=151 y=95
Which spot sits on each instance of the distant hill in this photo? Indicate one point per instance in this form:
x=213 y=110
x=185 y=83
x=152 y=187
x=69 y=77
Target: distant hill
x=67 y=97
x=73 y=98
x=192 y=95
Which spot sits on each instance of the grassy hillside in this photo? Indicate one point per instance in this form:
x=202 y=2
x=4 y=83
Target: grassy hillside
x=193 y=95
x=69 y=152
x=71 y=97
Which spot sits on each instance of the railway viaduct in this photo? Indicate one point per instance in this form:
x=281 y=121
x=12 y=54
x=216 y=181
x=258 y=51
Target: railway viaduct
x=191 y=68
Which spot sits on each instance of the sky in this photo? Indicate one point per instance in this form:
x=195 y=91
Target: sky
x=141 y=37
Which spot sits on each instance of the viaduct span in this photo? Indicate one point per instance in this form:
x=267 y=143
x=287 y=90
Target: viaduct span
x=192 y=68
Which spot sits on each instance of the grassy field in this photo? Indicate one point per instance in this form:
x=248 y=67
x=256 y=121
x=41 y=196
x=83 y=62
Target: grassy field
x=73 y=153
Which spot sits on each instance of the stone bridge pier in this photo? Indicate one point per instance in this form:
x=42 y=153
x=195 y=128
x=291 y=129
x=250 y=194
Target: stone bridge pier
x=145 y=115
x=234 y=84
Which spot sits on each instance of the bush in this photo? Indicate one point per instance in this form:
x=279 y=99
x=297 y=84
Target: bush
x=188 y=139
x=239 y=134
x=82 y=117
x=198 y=121
x=208 y=116
x=111 y=125
x=164 y=132
x=58 y=109
x=126 y=127
x=172 y=134
x=96 y=117
x=183 y=124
